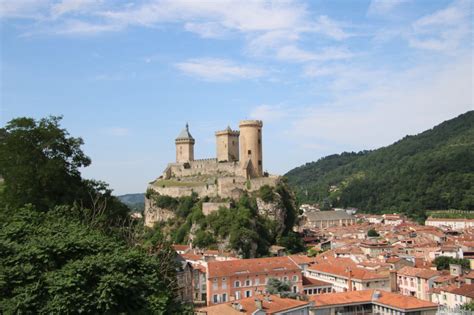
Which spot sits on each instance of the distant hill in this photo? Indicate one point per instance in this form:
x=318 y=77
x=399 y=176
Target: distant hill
x=431 y=170
x=136 y=202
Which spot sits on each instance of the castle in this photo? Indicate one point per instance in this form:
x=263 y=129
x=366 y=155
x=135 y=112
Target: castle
x=237 y=167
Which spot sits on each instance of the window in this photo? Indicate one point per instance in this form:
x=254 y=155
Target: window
x=248 y=283
x=237 y=284
x=248 y=293
x=285 y=278
x=215 y=298
x=224 y=297
x=295 y=289
x=249 y=152
x=237 y=295
x=260 y=162
x=295 y=278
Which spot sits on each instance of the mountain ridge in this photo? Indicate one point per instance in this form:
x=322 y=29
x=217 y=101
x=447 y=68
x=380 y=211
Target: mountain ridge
x=430 y=170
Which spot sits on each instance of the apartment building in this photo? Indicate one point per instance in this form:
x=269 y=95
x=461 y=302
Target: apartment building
x=237 y=279
x=416 y=282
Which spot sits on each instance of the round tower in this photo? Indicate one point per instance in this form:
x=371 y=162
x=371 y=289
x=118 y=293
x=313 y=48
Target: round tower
x=251 y=153
x=227 y=145
x=184 y=146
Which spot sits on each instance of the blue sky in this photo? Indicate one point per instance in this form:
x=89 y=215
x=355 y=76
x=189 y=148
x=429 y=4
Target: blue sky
x=324 y=76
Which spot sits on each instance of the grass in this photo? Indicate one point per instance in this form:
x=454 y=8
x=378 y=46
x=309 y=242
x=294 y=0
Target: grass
x=175 y=183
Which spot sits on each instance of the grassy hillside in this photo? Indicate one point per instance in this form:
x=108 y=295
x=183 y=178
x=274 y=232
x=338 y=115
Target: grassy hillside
x=431 y=170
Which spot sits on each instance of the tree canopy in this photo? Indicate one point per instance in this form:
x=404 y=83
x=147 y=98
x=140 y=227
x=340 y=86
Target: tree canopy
x=66 y=244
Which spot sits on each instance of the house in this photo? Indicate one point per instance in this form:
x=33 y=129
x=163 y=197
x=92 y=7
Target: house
x=344 y=275
x=453 y=224
x=370 y=302
x=452 y=297
x=416 y=282
x=325 y=219
x=236 y=279
x=392 y=219
x=184 y=279
x=199 y=284
x=258 y=305
x=374 y=248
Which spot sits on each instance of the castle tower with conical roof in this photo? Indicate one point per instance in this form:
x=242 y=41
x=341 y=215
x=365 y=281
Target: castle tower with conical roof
x=227 y=142
x=184 y=146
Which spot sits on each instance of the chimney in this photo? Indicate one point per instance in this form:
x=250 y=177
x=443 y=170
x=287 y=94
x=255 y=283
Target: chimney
x=259 y=304
x=349 y=280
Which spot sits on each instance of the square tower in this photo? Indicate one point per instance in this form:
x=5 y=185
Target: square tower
x=184 y=146
x=227 y=145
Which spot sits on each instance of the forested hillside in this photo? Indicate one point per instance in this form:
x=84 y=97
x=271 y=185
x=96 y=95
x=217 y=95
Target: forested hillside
x=431 y=170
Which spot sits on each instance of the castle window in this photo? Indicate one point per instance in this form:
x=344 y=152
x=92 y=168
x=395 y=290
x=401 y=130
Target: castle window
x=260 y=162
x=249 y=152
x=259 y=141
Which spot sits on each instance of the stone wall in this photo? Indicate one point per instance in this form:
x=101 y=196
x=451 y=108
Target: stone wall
x=209 y=190
x=209 y=207
x=154 y=214
x=203 y=167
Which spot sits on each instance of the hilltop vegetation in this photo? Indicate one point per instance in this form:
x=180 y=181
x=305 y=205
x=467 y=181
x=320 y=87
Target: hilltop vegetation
x=67 y=246
x=431 y=170
x=240 y=228
x=136 y=202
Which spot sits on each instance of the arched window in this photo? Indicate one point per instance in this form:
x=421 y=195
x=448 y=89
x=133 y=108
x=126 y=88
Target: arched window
x=237 y=284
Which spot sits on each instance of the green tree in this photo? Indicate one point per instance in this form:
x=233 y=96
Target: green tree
x=275 y=286
x=40 y=163
x=372 y=233
x=443 y=262
x=52 y=263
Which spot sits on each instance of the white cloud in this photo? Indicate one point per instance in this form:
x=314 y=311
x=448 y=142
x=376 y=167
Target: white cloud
x=73 y=6
x=218 y=69
x=387 y=107
x=27 y=9
x=331 y=28
x=293 y=53
x=381 y=7
x=206 y=30
x=445 y=29
x=77 y=27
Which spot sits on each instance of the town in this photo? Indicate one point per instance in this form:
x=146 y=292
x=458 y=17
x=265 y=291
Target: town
x=355 y=264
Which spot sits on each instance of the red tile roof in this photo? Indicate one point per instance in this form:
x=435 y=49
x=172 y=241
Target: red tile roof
x=270 y=305
x=387 y=299
x=341 y=269
x=417 y=272
x=464 y=290
x=310 y=282
x=250 y=266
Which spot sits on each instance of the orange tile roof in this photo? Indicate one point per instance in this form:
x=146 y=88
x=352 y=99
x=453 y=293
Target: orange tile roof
x=418 y=272
x=274 y=305
x=250 y=266
x=310 y=282
x=301 y=259
x=180 y=247
x=387 y=299
x=464 y=290
x=341 y=269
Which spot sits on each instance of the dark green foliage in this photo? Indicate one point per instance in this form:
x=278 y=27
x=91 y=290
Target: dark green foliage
x=203 y=239
x=372 y=233
x=443 y=262
x=292 y=242
x=55 y=264
x=432 y=170
x=468 y=306
x=266 y=193
x=165 y=202
x=275 y=286
x=40 y=163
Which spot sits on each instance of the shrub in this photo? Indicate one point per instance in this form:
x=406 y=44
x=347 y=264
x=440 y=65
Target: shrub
x=266 y=193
